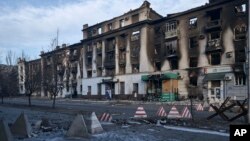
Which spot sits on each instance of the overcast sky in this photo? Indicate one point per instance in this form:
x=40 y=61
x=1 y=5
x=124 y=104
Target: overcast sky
x=29 y=25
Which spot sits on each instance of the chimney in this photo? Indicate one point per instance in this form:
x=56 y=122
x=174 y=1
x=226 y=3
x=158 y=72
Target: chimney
x=85 y=26
x=64 y=45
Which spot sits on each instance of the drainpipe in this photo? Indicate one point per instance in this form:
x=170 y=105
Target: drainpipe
x=248 y=60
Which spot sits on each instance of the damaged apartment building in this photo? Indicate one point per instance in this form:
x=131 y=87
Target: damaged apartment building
x=201 y=52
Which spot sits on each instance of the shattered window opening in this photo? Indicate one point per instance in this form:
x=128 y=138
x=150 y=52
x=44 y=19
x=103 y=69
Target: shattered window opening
x=193 y=22
x=240 y=79
x=240 y=8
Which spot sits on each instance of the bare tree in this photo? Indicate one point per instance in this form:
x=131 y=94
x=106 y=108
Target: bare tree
x=11 y=58
x=32 y=80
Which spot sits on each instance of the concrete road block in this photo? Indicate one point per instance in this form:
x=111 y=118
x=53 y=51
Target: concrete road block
x=93 y=123
x=78 y=128
x=5 y=134
x=21 y=127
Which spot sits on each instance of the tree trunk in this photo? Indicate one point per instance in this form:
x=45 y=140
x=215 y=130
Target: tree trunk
x=54 y=101
x=29 y=100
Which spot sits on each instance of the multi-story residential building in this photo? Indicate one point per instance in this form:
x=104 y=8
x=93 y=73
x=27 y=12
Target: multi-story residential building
x=201 y=51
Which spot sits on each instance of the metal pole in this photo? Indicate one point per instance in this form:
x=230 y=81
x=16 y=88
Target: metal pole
x=248 y=55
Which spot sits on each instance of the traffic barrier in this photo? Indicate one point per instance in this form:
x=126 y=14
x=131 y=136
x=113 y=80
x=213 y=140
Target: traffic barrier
x=5 y=134
x=140 y=113
x=199 y=107
x=78 y=128
x=106 y=117
x=21 y=127
x=93 y=123
x=186 y=113
x=161 y=112
x=174 y=113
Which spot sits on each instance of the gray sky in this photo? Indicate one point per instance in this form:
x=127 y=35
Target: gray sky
x=29 y=25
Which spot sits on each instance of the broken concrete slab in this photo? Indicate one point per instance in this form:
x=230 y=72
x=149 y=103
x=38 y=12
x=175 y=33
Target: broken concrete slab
x=92 y=123
x=21 y=127
x=78 y=128
x=5 y=134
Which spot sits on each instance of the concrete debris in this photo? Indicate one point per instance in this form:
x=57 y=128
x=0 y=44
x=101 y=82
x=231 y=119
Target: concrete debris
x=5 y=134
x=21 y=127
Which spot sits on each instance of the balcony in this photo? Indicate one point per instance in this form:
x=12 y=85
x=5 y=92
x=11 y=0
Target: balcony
x=109 y=63
x=213 y=25
x=171 y=34
x=214 y=45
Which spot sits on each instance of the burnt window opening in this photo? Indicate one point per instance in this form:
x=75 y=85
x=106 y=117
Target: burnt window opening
x=214 y=15
x=110 y=26
x=89 y=90
x=110 y=45
x=215 y=83
x=21 y=77
x=215 y=58
x=135 y=68
x=99 y=72
x=174 y=64
x=122 y=70
x=89 y=33
x=135 y=88
x=240 y=56
x=122 y=88
x=240 y=79
x=193 y=81
x=170 y=47
x=80 y=88
x=122 y=42
x=122 y=23
x=110 y=56
x=89 y=73
x=240 y=8
x=215 y=35
x=135 y=51
x=193 y=22
x=240 y=32
x=94 y=31
x=171 y=26
x=21 y=88
x=99 y=88
x=89 y=48
x=99 y=30
x=110 y=72
x=135 y=18
x=89 y=61
x=158 y=66
x=135 y=35
x=193 y=62
x=193 y=42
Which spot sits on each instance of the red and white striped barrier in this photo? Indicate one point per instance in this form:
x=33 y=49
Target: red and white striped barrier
x=210 y=109
x=106 y=117
x=174 y=113
x=199 y=107
x=140 y=113
x=161 y=112
x=186 y=113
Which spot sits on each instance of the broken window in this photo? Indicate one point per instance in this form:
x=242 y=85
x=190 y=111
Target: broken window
x=215 y=58
x=135 y=35
x=193 y=42
x=99 y=72
x=214 y=15
x=99 y=30
x=215 y=35
x=135 y=18
x=174 y=64
x=170 y=26
x=110 y=72
x=193 y=22
x=193 y=80
x=99 y=88
x=158 y=66
x=240 y=79
x=89 y=48
x=193 y=61
x=135 y=87
x=89 y=90
x=122 y=23
x=170 y=47
x=240 y=8
x=240 y=32
x=122 y=88
x=89 y=73
x=135 y=68
x=110 y=26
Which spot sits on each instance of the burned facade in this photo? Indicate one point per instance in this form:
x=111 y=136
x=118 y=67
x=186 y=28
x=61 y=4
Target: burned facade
x=201 y=52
